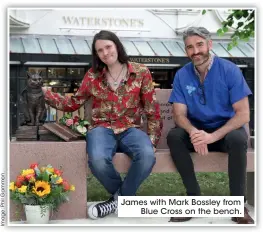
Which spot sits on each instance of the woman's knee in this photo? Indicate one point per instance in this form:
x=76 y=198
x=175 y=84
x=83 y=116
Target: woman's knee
x=147 y=158
x=99 y=165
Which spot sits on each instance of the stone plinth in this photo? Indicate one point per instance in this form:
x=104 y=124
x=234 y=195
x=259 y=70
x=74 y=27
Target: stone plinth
x=71 y=156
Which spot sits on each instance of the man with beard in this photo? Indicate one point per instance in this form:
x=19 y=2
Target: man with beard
x=210 y=105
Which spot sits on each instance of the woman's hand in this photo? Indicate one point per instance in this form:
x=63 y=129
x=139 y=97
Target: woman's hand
x=45 y=89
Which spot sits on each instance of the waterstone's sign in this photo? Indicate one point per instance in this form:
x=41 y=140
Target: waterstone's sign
x=103 y=22
x=147 y=60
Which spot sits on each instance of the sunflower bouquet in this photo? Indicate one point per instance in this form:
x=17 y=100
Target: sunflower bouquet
x=75 y=123
x=40 y=186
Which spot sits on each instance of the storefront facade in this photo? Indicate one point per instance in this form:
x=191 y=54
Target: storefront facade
x=58 y=42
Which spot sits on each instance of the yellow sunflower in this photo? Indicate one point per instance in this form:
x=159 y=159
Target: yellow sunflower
x=41 y=188
x=26 y=172
x=12 y=186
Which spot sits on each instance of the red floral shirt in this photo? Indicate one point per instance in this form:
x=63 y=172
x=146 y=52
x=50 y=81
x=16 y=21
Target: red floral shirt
x=120 y=109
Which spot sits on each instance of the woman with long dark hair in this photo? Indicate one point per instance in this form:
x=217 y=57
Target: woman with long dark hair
x=120 y=92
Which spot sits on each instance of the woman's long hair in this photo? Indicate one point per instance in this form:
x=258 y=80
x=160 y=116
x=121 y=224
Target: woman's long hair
x=97 y=64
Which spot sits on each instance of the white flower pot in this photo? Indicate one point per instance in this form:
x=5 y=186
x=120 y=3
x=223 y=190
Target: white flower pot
x=34 y=215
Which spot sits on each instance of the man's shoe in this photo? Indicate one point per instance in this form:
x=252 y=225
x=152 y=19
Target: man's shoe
x=100 y=210
x=179 y=219
x=243 y=220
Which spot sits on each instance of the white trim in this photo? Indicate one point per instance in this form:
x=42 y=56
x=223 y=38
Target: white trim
x=55 y=63
x=242 y=65
x=99 y=29
x=15 y=23
x=14 y=62
x=163 y=65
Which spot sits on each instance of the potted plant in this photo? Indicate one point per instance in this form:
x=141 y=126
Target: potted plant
x=40 y=190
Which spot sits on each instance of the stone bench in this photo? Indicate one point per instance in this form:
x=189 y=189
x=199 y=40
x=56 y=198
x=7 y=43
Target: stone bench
x=72 y=158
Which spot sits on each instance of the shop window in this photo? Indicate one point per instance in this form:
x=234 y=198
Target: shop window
x=160 y=78
x=63 y=86
x=55 y=73
x=34 y=70
x=76 y=73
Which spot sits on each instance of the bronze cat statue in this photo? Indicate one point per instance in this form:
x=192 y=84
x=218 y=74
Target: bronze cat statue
x=32 y=101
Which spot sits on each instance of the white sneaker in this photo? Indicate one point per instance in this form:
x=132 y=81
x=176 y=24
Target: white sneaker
x=100 y=210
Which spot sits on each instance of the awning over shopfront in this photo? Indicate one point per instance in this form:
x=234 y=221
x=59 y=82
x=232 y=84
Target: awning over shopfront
x=133 y=46
x=165 y=52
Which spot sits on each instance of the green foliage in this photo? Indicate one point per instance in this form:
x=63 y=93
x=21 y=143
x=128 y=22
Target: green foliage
x=244 y=29
x=243 y=22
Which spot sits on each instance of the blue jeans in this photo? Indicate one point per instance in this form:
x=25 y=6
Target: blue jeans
x=102 y=144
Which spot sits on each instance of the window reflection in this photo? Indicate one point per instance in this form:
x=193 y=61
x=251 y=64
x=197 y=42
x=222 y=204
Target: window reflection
x=75 y=72
x=160 y=78
x=56 y=73
x=34 y=70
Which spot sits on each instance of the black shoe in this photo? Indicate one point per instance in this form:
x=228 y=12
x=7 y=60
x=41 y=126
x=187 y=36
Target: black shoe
x=100 y=210
x=179 y=219
x=244 y=220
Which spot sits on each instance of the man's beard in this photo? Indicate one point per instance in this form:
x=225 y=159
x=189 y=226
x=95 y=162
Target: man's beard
x=204 y=59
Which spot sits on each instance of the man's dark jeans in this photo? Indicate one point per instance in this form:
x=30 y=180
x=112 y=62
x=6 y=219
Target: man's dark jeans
x=234 y=143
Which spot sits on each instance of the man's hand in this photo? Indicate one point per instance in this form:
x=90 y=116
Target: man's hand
x=154 y=149
x=202 y=137
x=201 y=149
x=193 y=131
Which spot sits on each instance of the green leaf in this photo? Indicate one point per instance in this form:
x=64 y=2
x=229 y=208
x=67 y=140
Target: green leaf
x=242 y=35
x=224 y=23
x=225 y=29
x=252 y=26
x=246 y=39
x=229 y=46
x=235 y=43
x=203 y=12
x=230 y=23
x=54 y=179
x=46 y=175
x=37 y=171
x=67 y=116
x=240 y=24
x=238 y=14
x=251 y=16
x=62 y=121
x=230 y=17
x=245 y=13
x=220 y=32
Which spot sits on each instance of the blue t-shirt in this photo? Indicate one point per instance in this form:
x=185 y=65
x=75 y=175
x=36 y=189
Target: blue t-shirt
x=223 y=86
